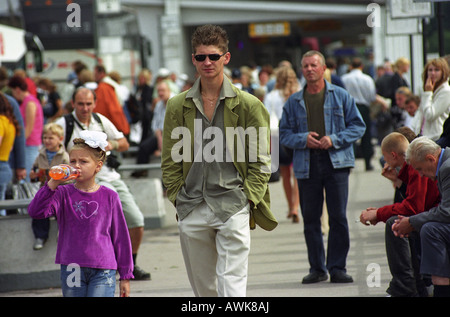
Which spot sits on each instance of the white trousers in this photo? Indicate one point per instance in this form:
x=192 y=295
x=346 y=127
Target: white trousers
x=216 y=253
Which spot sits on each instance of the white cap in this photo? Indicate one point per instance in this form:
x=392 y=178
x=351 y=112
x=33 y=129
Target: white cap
x=163 y=72
x=183 y=77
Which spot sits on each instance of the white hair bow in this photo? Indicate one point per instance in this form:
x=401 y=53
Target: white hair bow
x=94 y=139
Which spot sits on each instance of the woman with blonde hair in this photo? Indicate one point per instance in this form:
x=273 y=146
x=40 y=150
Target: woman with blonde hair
x=144 y=96
x=286 y=84
x=434 y=106
x=401 y=66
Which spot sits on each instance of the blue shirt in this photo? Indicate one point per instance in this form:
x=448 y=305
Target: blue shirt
x=158 y=115
x=440 y=161
x=50 y=156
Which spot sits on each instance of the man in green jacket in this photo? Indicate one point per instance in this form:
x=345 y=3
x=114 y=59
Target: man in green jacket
x=216 y=167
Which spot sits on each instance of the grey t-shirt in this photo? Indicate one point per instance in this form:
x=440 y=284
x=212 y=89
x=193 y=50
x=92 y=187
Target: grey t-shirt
x=212 y=177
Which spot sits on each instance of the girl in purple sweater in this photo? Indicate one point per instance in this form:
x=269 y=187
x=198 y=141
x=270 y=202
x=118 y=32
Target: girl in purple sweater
x=93 y=239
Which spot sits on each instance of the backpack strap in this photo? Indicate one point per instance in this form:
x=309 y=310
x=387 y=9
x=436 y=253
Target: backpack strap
x=97 y=118
x=69 y=128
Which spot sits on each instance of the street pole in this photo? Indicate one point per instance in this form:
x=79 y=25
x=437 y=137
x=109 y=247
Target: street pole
x=424 y=40
x=440 y=17
x=95 y=30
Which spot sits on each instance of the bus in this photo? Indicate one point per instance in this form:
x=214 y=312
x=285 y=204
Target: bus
x=19 y=48
x=111 y=39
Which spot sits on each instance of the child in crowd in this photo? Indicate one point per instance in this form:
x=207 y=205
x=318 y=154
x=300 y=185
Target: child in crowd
x=53 y=153
x=93 y=236
x=412 y=104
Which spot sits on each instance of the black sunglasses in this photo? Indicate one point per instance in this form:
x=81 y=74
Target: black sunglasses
x=212 y=57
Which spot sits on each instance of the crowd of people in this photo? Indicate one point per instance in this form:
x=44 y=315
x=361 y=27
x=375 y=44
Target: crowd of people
x=320 y=118
x=376 y=105
x=38 y=133
x=414 y=159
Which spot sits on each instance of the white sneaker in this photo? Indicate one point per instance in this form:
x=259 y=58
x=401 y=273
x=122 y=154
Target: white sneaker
x=38 y=244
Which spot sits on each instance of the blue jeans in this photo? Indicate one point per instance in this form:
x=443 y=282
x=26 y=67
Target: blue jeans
x=5 y=178
x=31 y=152
x=323 y=177
x=79 y=281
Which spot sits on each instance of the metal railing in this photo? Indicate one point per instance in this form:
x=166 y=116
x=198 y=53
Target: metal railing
x=138 y=167
x=9 y=204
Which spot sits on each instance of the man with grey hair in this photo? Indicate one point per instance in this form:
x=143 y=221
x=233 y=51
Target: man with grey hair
x=321 y=123
x=430 y=160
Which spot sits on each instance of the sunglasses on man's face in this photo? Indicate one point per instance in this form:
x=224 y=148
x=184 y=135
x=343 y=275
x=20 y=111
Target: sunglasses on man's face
x=212 y=57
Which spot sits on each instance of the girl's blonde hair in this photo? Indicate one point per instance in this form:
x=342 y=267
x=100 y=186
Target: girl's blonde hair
x=97 y=153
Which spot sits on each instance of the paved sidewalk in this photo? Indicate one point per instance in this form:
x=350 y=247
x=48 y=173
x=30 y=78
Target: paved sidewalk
x=278 y=259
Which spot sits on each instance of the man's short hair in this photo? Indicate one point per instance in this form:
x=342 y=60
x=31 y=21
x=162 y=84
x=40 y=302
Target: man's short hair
x=413 y=98
x=420 y=148
x=313 y=53
x=357 y=62
x=395 y=142
x=403 y=90
x=210 y=35
x=80 y=89
x=100 y=68
x=407 y=132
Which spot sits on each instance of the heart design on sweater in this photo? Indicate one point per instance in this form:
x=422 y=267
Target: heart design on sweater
x=86 y=209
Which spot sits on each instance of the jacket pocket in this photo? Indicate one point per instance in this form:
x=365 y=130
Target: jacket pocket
x=338 y=120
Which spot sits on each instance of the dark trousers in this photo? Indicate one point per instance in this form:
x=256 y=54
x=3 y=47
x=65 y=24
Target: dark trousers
x=366 y=140
x=41 y=228
x=403 y=255
x=323 y=177
x=147 y=148
x=435 y=239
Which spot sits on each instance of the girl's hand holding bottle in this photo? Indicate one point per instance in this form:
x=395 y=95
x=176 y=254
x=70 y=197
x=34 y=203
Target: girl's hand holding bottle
x=60 y=174
x=64 y=172
x=53 y=183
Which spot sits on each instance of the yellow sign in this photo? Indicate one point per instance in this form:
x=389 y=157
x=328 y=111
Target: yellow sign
x=269 y=29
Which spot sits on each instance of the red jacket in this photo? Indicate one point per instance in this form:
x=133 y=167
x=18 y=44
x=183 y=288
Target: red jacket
x=108 y=105
x=421 y=195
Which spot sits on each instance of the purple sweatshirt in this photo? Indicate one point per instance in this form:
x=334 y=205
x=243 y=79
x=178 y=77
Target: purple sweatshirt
x=92 y=228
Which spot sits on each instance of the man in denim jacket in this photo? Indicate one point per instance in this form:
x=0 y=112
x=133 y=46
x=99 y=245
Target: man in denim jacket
x=321 y=123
